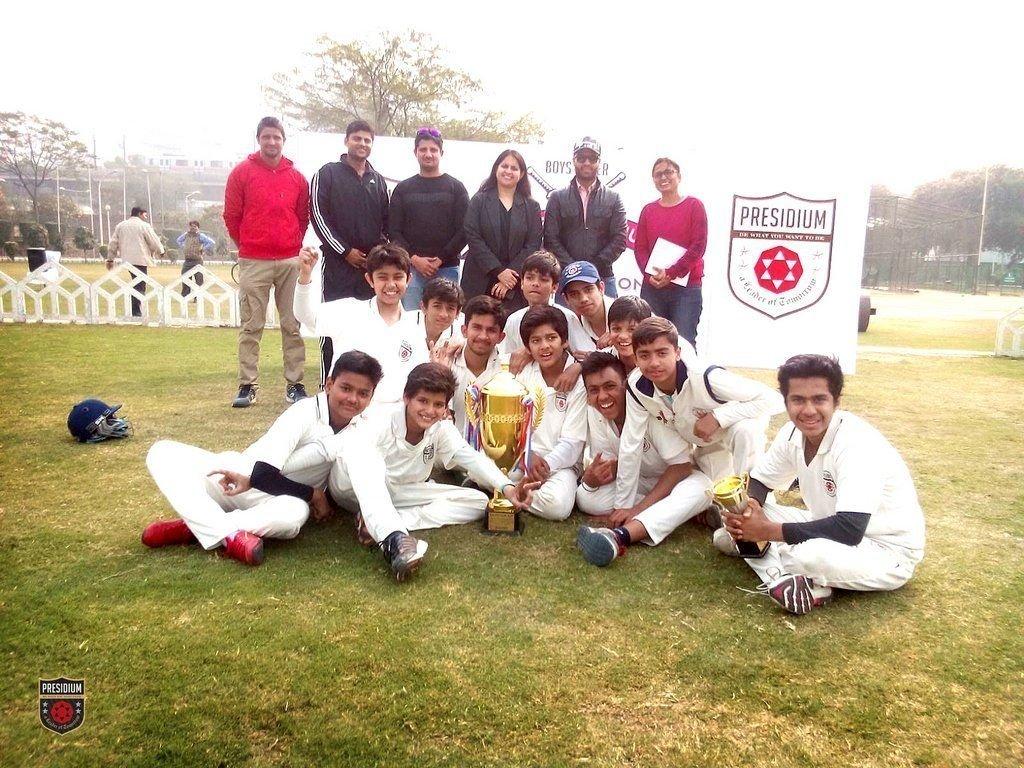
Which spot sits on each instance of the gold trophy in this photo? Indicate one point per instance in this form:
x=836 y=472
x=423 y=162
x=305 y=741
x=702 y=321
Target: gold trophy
x=729 y=495
x=501 y=418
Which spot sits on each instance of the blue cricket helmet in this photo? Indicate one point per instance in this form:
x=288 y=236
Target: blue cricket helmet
x=91 y=421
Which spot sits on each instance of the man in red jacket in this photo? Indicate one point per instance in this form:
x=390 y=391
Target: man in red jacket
x=266 y=210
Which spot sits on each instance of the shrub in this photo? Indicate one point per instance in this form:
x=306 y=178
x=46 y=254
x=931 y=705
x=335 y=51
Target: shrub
x=53 y=237
x=11 y=249
x=83 y=239
x=104 y=250
x=32 y=235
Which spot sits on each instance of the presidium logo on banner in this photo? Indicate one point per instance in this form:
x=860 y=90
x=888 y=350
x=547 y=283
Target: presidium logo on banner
x=780 y=252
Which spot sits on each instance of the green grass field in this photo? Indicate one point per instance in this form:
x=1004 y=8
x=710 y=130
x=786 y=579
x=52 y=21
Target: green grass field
x=501 y=652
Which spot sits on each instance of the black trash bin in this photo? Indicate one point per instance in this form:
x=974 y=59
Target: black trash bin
x=36 y=258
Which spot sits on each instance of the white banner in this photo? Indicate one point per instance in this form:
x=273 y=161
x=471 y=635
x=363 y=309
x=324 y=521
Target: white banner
x=782 y=267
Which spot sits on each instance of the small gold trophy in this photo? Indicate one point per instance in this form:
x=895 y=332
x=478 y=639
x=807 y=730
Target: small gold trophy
x=730 y=495
x=501 y=418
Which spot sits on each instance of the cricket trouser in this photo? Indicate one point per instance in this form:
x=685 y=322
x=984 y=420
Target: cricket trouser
x=687 y=499
x=868 y=566
x=736 y=450
x=554 y=499
x=181 y=473
x=358 y=485
x=432 y=505
x=601 y=500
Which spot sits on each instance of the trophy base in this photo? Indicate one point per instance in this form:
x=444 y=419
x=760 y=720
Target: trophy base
x=752 y=548
x=503 y=521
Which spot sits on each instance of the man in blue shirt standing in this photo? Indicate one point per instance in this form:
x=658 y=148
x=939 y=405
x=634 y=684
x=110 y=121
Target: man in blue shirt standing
x=194 y=244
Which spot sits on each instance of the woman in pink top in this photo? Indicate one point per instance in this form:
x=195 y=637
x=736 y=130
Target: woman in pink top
x=680 y=221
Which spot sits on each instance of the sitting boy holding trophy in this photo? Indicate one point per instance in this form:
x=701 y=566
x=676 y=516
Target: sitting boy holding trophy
x=863 y=528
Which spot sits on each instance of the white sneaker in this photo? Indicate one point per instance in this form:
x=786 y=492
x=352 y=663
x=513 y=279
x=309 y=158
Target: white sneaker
x=724 y=543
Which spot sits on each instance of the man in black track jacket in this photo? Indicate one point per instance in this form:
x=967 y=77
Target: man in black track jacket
x=349 y=210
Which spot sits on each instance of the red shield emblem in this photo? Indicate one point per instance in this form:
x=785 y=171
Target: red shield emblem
x=780 y=252
x=61 y=704
x=829 y=482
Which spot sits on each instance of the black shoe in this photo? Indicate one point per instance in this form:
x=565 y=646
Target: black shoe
x=245 y=397
x=403 y=553
x=295 y=392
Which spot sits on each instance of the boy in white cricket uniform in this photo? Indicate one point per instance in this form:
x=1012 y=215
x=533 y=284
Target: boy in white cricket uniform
x=378 y=326
x=863 y=528
x=479 y=359
x=559 y=439
x=624 y=315
x=416 y=439
x=670 y=491
x=439 y=314
x=267 y=490
x=540 y=277
x=723 y=415
x=583 y=289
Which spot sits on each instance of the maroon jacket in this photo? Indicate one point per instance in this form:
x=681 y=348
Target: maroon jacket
x=266 y=209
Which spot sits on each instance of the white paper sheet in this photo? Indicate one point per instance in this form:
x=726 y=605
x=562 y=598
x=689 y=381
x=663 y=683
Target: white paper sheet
x=664 y=255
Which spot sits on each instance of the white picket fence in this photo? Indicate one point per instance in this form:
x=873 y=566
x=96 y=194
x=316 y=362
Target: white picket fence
x=56 y=294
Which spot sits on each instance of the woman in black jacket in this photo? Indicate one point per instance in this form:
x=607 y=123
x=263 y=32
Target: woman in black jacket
x=502 y=227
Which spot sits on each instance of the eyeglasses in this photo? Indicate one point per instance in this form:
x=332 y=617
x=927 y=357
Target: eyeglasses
x=428 y=131
x=667 y=173
x=592 y=159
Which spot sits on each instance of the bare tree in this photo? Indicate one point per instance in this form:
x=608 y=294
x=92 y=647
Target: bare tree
x=33 y=148
x=397 y=83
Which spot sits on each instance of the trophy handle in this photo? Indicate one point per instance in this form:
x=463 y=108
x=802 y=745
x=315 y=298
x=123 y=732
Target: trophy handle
x=494 y=451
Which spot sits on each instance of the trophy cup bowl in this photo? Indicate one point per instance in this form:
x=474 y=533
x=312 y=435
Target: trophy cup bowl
x=729 y=495
x=502 y=428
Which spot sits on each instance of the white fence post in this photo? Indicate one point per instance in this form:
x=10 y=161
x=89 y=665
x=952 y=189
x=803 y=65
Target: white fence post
x=54 y=294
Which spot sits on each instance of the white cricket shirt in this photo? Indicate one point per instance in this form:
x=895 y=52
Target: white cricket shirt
x=855 y=470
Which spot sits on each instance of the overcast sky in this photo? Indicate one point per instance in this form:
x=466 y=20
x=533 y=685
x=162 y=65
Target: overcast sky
x=912 y=90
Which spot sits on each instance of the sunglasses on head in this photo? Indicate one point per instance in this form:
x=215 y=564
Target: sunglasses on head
x=426 y=131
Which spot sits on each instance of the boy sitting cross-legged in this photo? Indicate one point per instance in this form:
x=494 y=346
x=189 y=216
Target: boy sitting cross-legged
x=416 y=438
x=670 y=491
x=235 y=500
x=725 y=416
x=560 y=436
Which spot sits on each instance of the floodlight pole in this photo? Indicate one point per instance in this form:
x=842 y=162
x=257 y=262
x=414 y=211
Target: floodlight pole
x=124 y=179
x=99 y=208
x=92 y=222
x=149 y=192
x=57 y=170
x=981 y=235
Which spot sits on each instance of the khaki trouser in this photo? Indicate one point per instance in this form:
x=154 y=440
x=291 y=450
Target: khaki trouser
x=255 y=280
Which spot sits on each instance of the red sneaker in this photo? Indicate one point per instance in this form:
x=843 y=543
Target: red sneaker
x=167 y=533
x=244 y=547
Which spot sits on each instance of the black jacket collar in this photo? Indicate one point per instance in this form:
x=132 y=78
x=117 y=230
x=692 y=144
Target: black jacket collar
x=646 y=386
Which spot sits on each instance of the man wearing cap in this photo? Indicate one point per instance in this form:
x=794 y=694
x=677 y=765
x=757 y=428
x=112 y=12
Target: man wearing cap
x=586 y=221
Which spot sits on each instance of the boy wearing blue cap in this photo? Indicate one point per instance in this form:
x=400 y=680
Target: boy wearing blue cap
x=584 y=292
